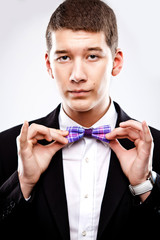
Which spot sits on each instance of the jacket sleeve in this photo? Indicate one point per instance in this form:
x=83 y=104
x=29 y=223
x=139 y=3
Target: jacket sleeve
x=11 y=197
x=153 y=201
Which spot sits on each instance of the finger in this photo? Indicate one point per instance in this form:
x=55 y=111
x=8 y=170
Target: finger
x=36 y=129
x=58 y=137
x=23 y=135
x=137 y=126
x=54 y=147
x=62 y=132
x=132 y=124
x=54 y=137
x=39 y=136
x=117 y=148
x=116 y=133
x=121 y=133
x=146 y=133
x=147 y=144
x=40 y=132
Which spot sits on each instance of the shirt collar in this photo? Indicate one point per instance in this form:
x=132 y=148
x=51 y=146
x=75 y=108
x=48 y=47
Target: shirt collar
x=109 y=118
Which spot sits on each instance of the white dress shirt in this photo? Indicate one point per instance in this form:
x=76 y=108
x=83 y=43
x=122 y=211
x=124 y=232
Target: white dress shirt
x=86 y=165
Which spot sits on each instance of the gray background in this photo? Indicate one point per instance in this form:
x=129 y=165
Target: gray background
x=26 y=90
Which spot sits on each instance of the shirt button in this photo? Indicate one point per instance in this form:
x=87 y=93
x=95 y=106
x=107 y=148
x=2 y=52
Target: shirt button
x=86 y=196
x=87 y=159
x=84 y=233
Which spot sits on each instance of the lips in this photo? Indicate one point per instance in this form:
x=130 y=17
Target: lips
x=80 y=92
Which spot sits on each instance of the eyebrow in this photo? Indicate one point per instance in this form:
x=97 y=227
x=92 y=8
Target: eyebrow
x=61 y=51
x=88 y=50
x=95 y=49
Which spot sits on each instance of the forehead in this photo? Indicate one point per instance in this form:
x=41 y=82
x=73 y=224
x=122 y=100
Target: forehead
x=68 y=39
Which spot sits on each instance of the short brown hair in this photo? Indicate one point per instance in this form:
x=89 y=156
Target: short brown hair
x=87 y=15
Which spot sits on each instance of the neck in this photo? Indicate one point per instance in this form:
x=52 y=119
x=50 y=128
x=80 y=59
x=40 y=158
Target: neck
x=88 y=118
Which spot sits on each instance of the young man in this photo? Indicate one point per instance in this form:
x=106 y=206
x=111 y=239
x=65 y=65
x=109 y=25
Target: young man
x=57 y=188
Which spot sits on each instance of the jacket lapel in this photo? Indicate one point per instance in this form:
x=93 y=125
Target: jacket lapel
x=117 y=183
x=53 y=185
x=54 y=189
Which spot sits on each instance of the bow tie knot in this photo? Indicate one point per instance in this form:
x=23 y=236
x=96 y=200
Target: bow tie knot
x=88 y=132
x=76 y=133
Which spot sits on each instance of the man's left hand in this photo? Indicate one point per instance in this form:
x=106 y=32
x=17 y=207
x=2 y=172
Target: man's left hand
x=136 y=163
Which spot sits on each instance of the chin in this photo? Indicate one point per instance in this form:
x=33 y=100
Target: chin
x=81 y=106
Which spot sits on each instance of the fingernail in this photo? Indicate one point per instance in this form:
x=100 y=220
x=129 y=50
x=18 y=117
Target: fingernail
x=107 y=135
x=65 y=131
x=50 y=138
x=25 y=123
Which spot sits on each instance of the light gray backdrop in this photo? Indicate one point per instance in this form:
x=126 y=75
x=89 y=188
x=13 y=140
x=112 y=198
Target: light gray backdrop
x=26 y=90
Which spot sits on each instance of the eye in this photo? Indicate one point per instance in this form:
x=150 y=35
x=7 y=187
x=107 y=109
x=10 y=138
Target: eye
x=63 y=59
x=92 y=57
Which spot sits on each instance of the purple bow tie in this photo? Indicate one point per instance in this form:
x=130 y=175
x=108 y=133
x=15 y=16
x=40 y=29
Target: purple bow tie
x=76 y=133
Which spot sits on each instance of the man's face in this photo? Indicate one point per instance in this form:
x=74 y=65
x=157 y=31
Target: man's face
x=81 y=62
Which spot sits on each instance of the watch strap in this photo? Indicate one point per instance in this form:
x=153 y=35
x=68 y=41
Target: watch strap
x=141 y=188
x=145 y=186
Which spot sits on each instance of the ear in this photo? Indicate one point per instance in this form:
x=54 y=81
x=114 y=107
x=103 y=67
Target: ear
x=48 y=65
x=118 y=62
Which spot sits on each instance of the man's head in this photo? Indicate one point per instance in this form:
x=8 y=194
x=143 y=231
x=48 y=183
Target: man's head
x=86 y=15
x=82 y=55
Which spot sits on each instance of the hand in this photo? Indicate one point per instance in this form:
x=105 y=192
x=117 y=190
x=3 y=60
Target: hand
x=136 y=163
x=34 y=158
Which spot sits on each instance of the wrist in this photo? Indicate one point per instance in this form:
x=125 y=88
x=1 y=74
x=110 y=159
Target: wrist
x=144 y=196
x=26 y=188
x=139 y=180
x=145 y=186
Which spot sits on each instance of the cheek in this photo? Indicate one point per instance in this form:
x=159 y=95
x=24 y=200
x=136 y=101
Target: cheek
x=102 y=79
x=60 y=76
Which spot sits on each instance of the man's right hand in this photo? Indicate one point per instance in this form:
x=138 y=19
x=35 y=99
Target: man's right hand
x=34 y=158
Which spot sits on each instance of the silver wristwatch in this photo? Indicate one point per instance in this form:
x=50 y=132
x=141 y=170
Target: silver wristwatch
x=144 y=186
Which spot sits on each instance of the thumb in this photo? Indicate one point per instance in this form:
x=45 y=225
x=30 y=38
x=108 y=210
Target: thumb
x=117 y=148
x=54 y=147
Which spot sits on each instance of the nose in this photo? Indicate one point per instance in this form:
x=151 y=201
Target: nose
x=78 y=72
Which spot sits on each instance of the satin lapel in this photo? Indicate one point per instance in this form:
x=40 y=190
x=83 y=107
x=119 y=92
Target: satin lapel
x=116 y=183
x=53 y=185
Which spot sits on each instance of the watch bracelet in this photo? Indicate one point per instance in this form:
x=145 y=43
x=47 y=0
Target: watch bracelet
x=144 y=186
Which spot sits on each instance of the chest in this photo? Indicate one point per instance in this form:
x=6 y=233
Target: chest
x=85 y=165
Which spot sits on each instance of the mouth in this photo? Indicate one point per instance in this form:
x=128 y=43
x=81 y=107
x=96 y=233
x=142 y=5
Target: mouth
x=79 y=93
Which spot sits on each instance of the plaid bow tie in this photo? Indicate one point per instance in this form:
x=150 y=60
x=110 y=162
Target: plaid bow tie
x=76 y=133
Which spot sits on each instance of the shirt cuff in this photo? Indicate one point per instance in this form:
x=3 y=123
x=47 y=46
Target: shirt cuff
x=27 y=199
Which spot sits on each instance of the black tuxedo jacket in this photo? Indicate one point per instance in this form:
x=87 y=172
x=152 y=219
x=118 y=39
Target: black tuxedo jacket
x=45 y=215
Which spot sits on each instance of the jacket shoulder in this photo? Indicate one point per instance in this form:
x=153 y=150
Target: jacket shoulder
x=8 y=147
x=48 y=121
